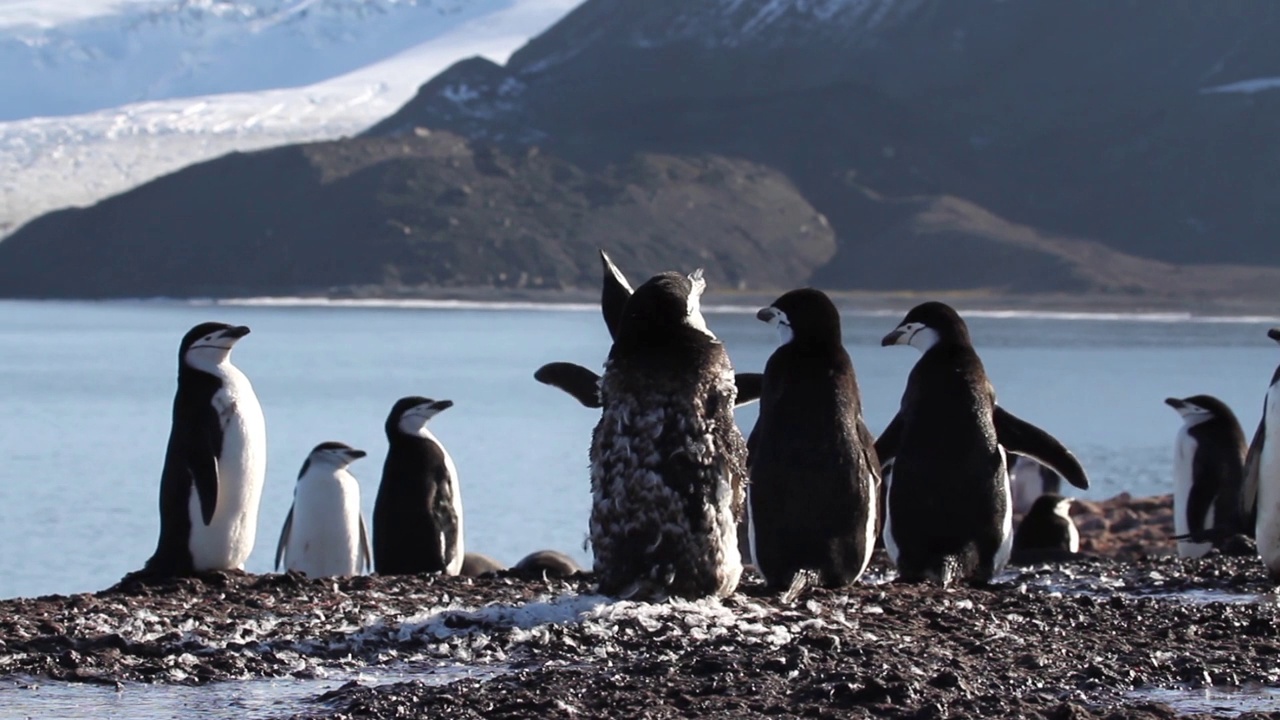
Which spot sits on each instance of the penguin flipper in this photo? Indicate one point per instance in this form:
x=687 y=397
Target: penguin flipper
x=581 y=383
x=750 y=386
x=366 y=557
x=1019 y=436
x=614 y=295
x=1252 y=465
x=887 y=444
x=203 y=463
x=284 y=536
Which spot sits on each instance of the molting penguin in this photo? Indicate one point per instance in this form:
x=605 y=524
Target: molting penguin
x=1208 y=474
x=1047 y=529
x=216 y=460
x=1262 y=475
x=1029 y=480
x=584 y=384
x=949 y=514
x=814 y=476
x=324 y=534
x=417 y=516
x=667 y=460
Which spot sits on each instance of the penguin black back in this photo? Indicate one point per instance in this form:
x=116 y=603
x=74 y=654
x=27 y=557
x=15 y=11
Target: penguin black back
x=417 y=519
x=813 y=470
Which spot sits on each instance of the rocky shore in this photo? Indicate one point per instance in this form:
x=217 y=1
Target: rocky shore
x=1106 y=635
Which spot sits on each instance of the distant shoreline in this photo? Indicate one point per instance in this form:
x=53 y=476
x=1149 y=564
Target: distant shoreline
x=865 y=303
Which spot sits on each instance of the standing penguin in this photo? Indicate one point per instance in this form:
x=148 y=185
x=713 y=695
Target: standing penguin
x=814 y=475
x=417 y=516
x=1262 y=475
x=215 y=462
x=324 y=533
x=1208 y=474
x=667 y=460
x=949 y=514
x=1029 y=480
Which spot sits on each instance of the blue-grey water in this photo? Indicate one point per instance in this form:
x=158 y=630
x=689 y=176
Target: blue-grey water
x=86 y=392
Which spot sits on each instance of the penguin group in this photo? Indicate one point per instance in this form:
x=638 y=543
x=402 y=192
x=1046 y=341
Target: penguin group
x=681 y=501
x=215 y=467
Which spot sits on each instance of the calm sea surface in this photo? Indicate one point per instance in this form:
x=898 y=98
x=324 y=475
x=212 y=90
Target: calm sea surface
x=86 y=392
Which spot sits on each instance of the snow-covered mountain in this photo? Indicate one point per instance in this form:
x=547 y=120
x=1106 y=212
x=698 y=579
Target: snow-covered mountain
x=214 y=76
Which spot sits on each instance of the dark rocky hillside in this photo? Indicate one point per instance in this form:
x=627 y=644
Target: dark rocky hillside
x=1092 y=146
x=395 y=215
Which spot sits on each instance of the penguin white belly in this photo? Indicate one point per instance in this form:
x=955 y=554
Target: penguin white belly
x=453 y=565
x=890 y=545
x=324 y=538
x=1268 y=528
x=1006 y=522
x=873 y=508
x=225 y=543
x=1183 y=479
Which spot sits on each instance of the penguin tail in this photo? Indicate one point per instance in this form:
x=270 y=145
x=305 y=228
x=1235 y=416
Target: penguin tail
x=799 y=582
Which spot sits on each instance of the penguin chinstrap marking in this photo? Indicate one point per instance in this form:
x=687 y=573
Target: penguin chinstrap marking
x=814 y=476
x=324 y=534
x=1262 y=475
x=583 y=384
x=1208 y=475
x=215 y=462
x=667 y=459
x=948 y=510
x=417 y=515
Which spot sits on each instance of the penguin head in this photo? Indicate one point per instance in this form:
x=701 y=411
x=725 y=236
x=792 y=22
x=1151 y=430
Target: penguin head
x=1199 y=408
x=409 y=415
x=1048 y=505
x=209 y=344
x=806 y=316
x=330 y=456
x=665 y=304
x=927 y=325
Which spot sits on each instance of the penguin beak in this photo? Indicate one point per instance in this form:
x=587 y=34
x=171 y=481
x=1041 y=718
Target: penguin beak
x=1174 y=403
x=355 y=454
x=768 y=314
x=441 y=405
x=893 y=338
x=1274 y=334
x=235 y=333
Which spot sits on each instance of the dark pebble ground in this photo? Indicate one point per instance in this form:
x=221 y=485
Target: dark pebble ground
x=1066 y=641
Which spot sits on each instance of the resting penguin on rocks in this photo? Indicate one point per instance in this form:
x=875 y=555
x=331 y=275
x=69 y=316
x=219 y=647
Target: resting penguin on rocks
x=667 y=459
x=477 y=564
x=548 y=564
x=1047 y=533
x=1208 y=474
x=949 y=515
x=814 y=484
x=417 y=516
x=216 y=460
x=1262 y=475
x=324 y=534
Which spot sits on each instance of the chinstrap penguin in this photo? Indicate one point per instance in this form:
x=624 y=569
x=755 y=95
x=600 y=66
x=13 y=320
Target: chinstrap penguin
x=1029 y=480
x=1047 y=530
x=417 y=516
x=216 y=460
x=948 y=511
x=814 y=477
x=476 y=564
x=1208 y=474
x=324 y=534
x=667 y=459
x=1262 y=475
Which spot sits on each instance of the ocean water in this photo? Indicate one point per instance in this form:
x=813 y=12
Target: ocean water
x=86 y=392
